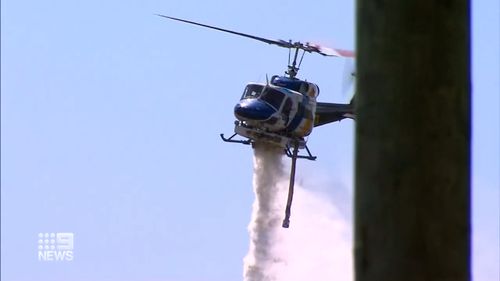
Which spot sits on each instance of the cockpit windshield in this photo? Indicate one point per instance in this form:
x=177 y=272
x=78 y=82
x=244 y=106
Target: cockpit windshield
x=252 y=91
x=273 y=97
x=267 y=94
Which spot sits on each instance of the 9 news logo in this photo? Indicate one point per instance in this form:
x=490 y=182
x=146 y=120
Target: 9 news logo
x=55 y=246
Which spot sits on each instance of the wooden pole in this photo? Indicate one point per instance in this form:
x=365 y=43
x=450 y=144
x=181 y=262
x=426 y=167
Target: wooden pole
x=412 y=197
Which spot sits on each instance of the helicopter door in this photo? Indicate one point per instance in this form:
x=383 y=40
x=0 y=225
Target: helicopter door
x=287 y=108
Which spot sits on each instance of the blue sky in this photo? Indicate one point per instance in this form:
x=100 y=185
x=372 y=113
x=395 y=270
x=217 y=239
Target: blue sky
x=110 y=123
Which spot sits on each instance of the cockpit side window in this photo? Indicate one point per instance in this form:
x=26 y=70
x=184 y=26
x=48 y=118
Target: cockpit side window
x=292 y=84
x=287 y=107
x=273 y=97
x=252 y=91
x=304 y=87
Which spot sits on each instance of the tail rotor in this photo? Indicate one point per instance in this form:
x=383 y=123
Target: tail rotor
x=348 y=76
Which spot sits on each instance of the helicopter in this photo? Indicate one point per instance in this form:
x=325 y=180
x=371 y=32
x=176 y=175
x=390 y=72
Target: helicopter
x=283 y=111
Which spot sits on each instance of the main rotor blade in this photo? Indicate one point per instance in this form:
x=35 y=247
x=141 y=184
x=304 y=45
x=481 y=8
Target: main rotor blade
x=330 y=52
x=308 y=47
x=280 y=43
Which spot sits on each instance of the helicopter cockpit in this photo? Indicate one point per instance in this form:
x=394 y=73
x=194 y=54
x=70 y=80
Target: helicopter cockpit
x=271 y=96
x=252 y=91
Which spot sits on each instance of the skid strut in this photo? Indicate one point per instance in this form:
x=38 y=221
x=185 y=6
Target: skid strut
x=286 y=221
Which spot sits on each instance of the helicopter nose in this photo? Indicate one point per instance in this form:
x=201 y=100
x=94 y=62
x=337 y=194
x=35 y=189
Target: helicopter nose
x=253 y=110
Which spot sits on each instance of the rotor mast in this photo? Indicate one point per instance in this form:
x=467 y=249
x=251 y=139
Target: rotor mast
x=293 y=68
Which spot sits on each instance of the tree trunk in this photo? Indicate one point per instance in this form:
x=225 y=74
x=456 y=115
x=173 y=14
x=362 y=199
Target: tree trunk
x=412 y=198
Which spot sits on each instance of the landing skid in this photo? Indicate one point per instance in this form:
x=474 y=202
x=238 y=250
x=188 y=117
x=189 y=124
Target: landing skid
x=309 y=156
x=230 y=139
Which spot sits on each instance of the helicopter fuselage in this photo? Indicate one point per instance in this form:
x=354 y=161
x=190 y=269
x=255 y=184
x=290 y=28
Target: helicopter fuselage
x=277 y=112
